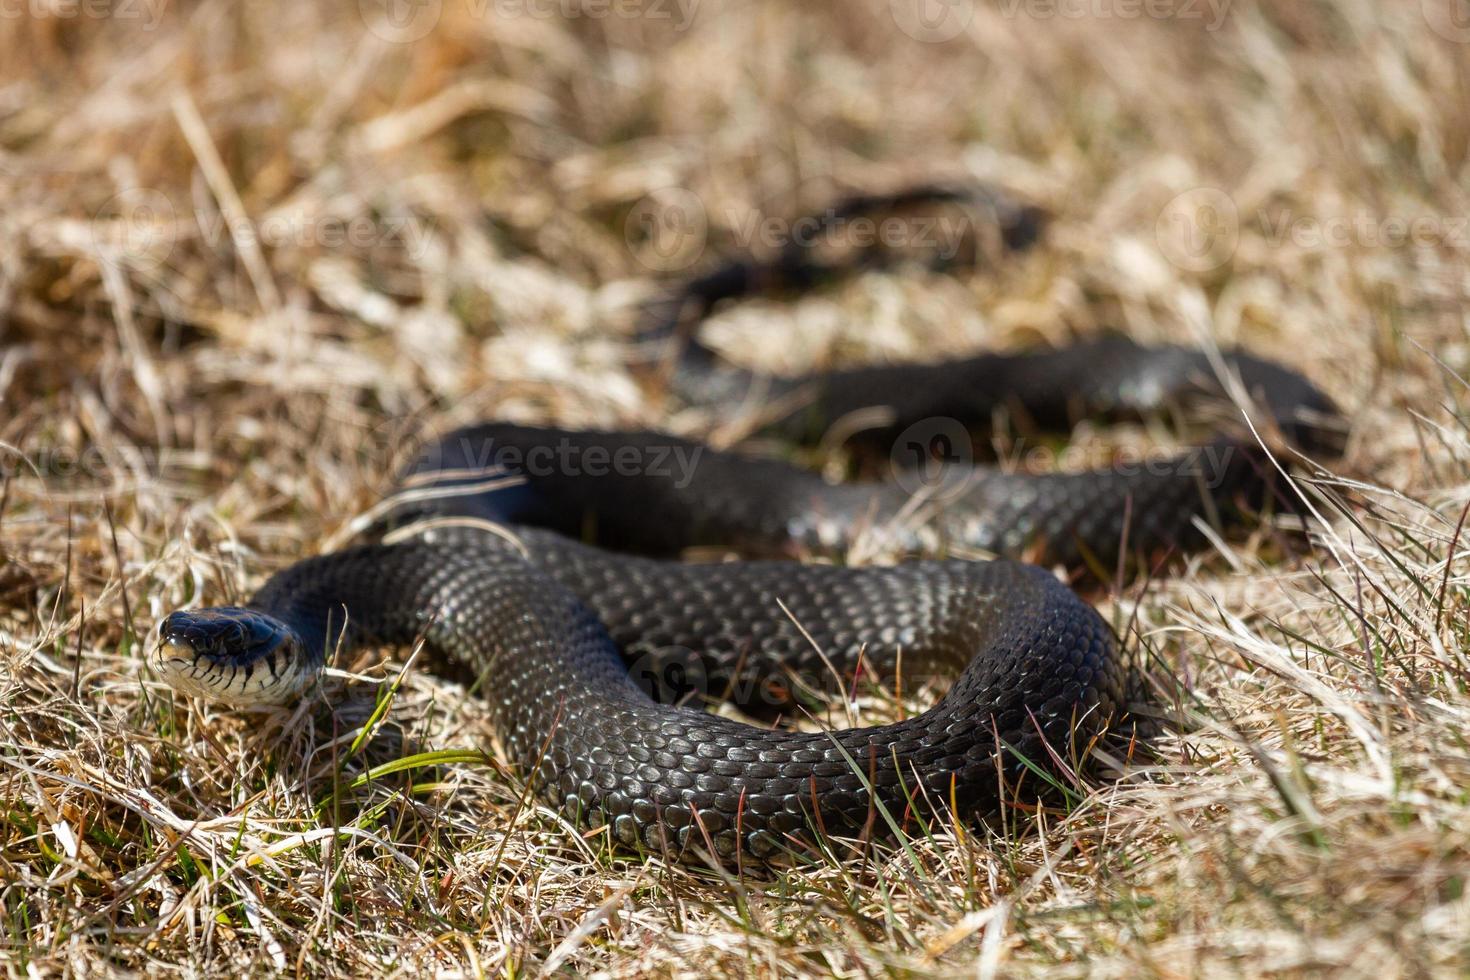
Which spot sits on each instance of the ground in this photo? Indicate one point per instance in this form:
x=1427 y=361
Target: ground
x=248 y=251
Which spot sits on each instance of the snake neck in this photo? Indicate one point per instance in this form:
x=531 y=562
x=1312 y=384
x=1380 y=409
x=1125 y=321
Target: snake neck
x=475 y=602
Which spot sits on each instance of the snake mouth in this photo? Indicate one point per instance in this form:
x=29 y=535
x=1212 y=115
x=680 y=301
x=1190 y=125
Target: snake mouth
x=231 y=654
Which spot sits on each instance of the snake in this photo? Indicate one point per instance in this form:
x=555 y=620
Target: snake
x=550 y=563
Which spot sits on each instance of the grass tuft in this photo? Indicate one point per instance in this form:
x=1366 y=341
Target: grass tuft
x=249 y=253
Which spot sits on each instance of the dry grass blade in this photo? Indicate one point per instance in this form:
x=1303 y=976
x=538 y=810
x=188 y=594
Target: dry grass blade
x=249 y=251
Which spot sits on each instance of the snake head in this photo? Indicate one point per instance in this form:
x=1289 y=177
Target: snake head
x=232 y=654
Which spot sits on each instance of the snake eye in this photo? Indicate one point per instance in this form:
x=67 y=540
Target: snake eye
x=229 y=654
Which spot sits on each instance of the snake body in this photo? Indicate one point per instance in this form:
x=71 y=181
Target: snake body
x=594 y=660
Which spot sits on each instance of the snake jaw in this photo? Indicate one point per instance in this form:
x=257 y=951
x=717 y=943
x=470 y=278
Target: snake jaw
x=231 y=654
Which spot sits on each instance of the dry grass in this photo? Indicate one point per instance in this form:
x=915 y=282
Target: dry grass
x=201 y=381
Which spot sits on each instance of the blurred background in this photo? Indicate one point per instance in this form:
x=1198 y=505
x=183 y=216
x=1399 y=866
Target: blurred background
x=427 y=205
x=245 y=248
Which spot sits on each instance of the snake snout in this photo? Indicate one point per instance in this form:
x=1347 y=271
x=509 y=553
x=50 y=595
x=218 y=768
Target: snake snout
x=230 y=654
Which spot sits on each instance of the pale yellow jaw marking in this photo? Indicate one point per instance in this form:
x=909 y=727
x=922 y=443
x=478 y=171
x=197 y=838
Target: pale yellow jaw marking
x=176 y=664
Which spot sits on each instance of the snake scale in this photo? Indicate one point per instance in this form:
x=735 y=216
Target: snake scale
x=595 y=657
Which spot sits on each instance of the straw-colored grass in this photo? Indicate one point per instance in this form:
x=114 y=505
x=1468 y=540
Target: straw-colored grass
x=248 y=250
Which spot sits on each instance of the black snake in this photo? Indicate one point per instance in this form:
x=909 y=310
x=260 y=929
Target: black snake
x=552 y=624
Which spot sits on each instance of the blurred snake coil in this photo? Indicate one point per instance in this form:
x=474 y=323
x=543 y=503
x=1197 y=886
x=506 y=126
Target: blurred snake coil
x=551 y=623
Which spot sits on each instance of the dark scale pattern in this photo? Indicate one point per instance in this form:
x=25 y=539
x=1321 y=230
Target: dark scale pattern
x=595 y=663
x=1036 y=665
x=767 y=506
x=698 y=495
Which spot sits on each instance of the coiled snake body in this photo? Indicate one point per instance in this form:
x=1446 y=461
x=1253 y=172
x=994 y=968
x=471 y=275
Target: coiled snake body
x=552 y=625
